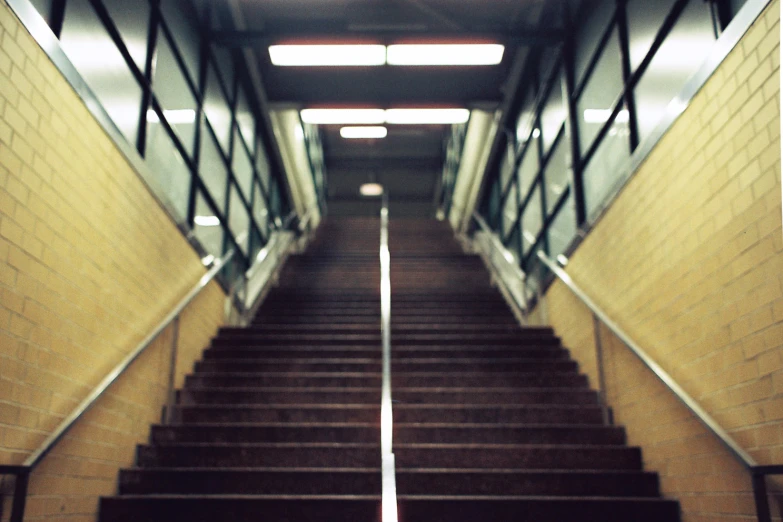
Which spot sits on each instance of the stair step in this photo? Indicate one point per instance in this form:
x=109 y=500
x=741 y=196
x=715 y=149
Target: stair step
x=239 y=508
x=536 y=509
x=278 y=413
x=248 y=481
x=315 y=379
x=269 y=432
x=526 y=482
x=552 y=379
x=238 y=351
x=409 y=433
x=240 y=396
x=274 y=454
x=436 y=364
x=497 y=414
x=551 y=457
x=290 y=365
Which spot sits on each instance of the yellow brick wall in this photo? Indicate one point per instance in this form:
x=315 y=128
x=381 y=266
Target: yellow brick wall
x=89 y=263
x=689 y=261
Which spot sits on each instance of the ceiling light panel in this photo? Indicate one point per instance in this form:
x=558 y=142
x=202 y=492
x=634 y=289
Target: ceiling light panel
x=327 y=55
x=344 y=116
x=427 y=116
x=363 y=132
x=445 y=54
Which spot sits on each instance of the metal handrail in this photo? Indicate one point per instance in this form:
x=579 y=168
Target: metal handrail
x=758 y=471
x=388 y=480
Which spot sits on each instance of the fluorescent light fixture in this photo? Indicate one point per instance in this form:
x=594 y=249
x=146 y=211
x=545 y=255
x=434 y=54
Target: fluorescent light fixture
x=344 y=116
x=380 y=116
x=444 y=54
x=327 y=55
x=371 y=189
x=353 y=133
x=603 y=115
x=207 y=221
x=427 y=116
x=175 y=116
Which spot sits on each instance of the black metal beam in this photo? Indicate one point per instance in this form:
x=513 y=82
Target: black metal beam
x=319 y=32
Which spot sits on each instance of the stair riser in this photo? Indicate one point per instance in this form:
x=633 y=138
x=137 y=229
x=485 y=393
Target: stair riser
x=254 y=456
x=135 y=482
x=550 y=458
x=133 y=509
x=238 y=434
x=190 y=397
x=425 y=365
x=543 y=484
x=550 y=415
x=505 y=435
x=537 y=510
x=279 y=379
x=238 y=351
x=245 y=415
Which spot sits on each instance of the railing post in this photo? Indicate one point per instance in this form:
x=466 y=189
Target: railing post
x=599 y=363
x=760 y=496
x=20 y=496
x=170 y=391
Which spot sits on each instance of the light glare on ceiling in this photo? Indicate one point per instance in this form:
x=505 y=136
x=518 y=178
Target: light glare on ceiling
x=207 y=221
x=327 y=55
x=363 y=132
x=174 y=116
x=603 y=115
x=444 y=54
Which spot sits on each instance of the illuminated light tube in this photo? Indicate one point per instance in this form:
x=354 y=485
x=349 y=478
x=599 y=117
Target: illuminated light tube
x=444 y=54
x=371 y=189
x=603 y=115
x=344 y=116
x=427 y=116
x=354 y=133
x=174 y=116
x=327 y=55
x=207 y=221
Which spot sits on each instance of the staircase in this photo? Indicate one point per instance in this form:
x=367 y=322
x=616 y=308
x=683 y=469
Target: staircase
x=280 y=421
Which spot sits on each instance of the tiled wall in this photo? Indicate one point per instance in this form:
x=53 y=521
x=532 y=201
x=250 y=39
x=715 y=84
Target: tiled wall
x=89 y=264
x=689 y=261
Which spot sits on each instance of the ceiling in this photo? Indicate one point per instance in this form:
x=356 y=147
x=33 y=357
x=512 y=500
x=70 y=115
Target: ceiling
x=409 y=161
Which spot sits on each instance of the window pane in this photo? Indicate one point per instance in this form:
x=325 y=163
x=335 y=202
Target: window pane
x=103 y=68
x=525 y=122
x=44 y=8
x=245 y=119
x=169 y=168
x=563 y=229
x=262 y=165
x=599 y=17
x=528 y=169
x=532 y=220
x=217 y=110
x=260 y=212
x=182 y=22
x=510 y=209
x=645 y=18
x=207 y=227
x=554 y=113
x=225 y=63
x=238 y=220
x=174 y=94
x=601 y=93
x=557 y=174
x=602 y=173
x=680 y=56
x=242 y=166
x=132 y=20
x=507 y=165
x=212 y=168
x=736 y=5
